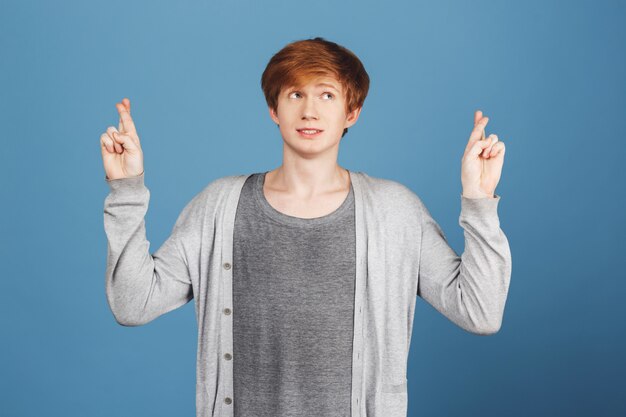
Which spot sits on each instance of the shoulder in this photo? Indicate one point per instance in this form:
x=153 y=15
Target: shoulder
x=225 y=184
x=389 y=192
x=216 y=191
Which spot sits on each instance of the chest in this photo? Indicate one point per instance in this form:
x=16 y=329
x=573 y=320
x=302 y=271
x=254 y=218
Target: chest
x=305 y=208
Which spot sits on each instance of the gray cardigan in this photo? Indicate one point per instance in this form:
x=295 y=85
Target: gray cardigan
x=401 y=252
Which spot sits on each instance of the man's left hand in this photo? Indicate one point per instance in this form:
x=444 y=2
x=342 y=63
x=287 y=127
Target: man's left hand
x=482 y=162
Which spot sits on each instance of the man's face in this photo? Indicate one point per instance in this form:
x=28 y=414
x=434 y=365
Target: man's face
x=320 y=106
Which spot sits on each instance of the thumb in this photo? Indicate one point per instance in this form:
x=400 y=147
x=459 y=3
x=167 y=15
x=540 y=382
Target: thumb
x=126 y=141
x=480 y=145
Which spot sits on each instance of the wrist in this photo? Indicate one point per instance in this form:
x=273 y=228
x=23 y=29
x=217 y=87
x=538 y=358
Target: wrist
x=476 y=194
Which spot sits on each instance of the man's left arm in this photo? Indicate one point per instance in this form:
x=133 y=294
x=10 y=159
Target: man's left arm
x=471 y=289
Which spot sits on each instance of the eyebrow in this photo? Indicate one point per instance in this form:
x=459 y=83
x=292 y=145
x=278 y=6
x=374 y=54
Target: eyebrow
x=327 y=85
x=318 y=85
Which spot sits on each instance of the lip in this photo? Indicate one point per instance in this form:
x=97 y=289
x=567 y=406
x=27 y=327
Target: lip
x=320 y=131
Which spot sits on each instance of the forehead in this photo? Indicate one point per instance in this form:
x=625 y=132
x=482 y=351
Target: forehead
x=322 y=82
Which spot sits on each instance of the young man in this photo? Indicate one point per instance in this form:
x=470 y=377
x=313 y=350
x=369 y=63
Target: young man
x=305 y=277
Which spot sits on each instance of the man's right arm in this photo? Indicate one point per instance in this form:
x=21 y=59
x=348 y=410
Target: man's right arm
x=141 y=286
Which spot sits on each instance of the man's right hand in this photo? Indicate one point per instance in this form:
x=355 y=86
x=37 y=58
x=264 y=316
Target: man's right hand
x=121 y=151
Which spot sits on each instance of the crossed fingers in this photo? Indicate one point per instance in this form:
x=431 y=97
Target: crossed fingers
x=126 y=122
x=478 y=134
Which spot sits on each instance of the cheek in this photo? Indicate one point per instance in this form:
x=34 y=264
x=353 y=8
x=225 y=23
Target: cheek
x=340 y=121
x=288 y=115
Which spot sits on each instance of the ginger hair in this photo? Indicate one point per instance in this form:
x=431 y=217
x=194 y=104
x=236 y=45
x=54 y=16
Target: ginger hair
x=302 y=61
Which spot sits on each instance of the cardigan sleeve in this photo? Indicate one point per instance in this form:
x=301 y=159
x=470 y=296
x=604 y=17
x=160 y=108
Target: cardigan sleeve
x=141 y=286
x=471 y=289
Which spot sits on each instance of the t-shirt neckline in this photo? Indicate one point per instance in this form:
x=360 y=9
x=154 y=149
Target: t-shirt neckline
x=270 y=211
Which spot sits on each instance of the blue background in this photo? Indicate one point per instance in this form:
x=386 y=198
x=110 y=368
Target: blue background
x=550 y=75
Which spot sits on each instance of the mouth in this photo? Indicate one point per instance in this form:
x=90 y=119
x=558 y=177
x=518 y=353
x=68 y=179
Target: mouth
x=309 y=133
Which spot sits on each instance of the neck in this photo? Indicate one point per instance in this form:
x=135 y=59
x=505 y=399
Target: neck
x=308 y=178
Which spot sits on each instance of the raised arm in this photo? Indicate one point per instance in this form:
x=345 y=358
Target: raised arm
x=470 y=289
x=140 y=286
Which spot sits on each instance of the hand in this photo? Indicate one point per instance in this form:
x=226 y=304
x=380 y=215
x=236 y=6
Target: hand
x=121 y=150
x=482 y=162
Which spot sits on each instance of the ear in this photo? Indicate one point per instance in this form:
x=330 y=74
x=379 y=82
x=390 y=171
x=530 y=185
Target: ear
x=273 y=115
x=352 y=117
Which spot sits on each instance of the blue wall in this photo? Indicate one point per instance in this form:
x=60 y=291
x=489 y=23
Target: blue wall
x=550 y=75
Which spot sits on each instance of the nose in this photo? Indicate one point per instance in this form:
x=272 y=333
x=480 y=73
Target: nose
x=308 y=110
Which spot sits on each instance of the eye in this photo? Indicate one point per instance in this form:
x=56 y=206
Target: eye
x=292 y=93
x=330 y=94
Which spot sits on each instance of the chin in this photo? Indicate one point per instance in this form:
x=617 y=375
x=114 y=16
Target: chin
x=309 y=147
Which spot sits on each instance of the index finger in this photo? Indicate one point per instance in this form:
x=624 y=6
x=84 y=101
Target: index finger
x=477 y=116
x=479 y=129
x=125 y=102
x=127 y=121
x=477 y=133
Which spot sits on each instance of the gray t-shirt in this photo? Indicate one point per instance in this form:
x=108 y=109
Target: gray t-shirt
x=293 y=301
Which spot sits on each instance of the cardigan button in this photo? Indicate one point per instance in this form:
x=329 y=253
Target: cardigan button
x=227 y=400
x=228 y=356
x=226 y=265
x=227 y=311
